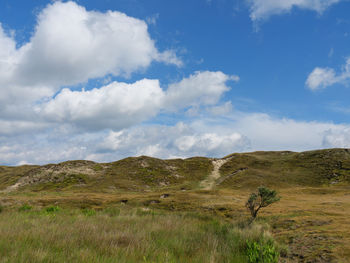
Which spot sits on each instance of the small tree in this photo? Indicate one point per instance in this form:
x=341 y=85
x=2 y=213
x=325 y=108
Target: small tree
x=263 y=198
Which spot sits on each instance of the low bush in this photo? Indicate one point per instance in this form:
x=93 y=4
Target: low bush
x=24 y=208
x=261 y=252
x=52 y=209
x=88 y=212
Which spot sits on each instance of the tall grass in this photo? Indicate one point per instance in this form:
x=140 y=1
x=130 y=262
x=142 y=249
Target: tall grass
x=121 y=235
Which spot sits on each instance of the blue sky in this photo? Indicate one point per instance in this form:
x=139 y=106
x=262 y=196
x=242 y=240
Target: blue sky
x=103 y=80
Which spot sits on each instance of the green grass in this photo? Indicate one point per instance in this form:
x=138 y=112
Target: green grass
x=25 y=207
x=139 y=172
x=123 y=235
x=288 y=169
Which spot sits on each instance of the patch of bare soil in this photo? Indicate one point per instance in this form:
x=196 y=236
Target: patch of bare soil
x=210 y=182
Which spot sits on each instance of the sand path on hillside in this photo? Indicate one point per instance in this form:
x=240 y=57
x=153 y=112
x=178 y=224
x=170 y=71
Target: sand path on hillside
x=209 y=183
x=11 y=188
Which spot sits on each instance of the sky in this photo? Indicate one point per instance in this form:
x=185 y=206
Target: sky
x=104 y=80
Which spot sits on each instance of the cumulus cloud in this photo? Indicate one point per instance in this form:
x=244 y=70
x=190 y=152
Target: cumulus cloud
x=263 y=9
x=115 y=106
x=201 y=88
x=71 y=45
x=324 y=77
x=7 y=53
x=120 y=105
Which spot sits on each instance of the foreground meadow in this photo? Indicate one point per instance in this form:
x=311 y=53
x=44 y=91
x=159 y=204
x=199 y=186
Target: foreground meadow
x=306 y=225
x=53 y=234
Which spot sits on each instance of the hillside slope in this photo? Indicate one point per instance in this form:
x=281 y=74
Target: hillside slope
x=284 y=169
x=239 y=170
x=130 y=174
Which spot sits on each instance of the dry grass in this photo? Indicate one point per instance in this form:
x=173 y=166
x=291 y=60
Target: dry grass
x=314 y=222
x=121 y=235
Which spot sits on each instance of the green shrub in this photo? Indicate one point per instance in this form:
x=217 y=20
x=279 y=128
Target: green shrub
x=88 y=212
x=261 y=252
x=1 y=208
x=52 y=209
x=25 y=208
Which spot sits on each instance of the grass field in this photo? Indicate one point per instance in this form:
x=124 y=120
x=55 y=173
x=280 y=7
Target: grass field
x=117 y=234
x=312 y=224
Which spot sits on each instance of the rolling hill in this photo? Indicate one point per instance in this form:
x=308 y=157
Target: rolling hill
x=240 y=170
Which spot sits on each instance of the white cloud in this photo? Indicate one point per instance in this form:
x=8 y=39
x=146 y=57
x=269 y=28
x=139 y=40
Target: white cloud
x=120 y=105
x=223 y=109
x=169 y=57
x=268 y=133
x=36 y=150
x=78 y=44
x=337 y=138
x=215 y=137
x=321 y=78
x=152 y=140
x=324 y=77
x=71 y=45
x=263 y=9
x=201 y=88
x=13 y=127
x=211 y=143
x=7 y=53
x=181 y=140
x=115 y=106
